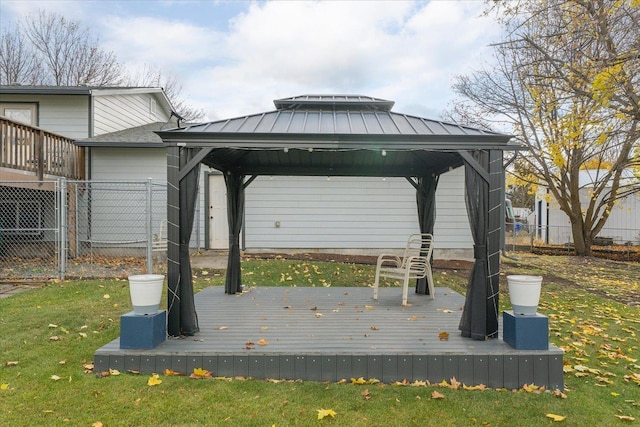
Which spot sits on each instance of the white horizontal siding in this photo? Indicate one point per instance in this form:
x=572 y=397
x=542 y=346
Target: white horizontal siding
x=128 y=163
x=66 y=115
x=349 y=213
x=117 y=112
x=137 y=164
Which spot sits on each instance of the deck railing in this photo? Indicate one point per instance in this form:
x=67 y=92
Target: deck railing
x=31 y=149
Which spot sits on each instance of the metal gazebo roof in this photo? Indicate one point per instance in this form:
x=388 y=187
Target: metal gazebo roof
x=334 y=135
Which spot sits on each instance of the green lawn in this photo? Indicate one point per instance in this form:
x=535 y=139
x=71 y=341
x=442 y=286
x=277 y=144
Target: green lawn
x=49 y=334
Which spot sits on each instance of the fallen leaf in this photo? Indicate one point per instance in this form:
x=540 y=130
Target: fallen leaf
x=625 y=418
x=221 y=328
x=12 y=363
x=318 y=314
x=326 y=413
x=52 y=326
x=97 y=424
x=55 y=377
x=199 y=373
x=443 y=336
x=114 y=372
x=263 y=342
x=366 y=394
x=437 y=395
x=106 y=296
x=4 y=386
x=154 y=379
x=555 y=417
x=369 y=307
x=374 y=328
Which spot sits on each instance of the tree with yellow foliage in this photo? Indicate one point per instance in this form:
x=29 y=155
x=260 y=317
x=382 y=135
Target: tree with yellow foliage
x=566 y=80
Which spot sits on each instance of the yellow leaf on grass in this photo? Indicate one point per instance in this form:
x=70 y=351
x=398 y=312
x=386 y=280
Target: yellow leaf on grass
x=322 y=413
x=97 y=424
x=555 y=417
x=4 y=386
x=358 y=381
x=199 y=373
x=154 y=379
x=55 y=377
x=114 y=372
x=437 y=395
x=625 y=418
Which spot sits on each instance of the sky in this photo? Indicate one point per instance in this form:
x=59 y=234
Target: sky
x=233 y=58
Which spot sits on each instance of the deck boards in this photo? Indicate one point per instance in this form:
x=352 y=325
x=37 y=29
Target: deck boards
x=328 y=334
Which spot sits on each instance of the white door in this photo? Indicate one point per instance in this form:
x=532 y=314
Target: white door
x=218 y=225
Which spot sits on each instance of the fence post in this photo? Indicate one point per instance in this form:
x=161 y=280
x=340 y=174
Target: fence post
x=149 y=226
x=62 y=227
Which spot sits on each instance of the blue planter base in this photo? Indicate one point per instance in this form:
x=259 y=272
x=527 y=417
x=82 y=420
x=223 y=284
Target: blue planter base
x=143 y=332
x=525 y=332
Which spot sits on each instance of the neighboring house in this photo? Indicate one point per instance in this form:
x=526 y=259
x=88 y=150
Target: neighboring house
x=39 y=126
x=552 y=225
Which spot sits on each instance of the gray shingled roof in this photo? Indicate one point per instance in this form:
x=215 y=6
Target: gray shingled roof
x=140 y=136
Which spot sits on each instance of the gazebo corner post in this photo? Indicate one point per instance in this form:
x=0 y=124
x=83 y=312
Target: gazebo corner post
x=234 y=182
x=182 y=192
x=426 y=201
x=482 y=185
x=173 y=241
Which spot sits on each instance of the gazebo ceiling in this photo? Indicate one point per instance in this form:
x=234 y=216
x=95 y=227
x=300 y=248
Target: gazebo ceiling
x=333 y=135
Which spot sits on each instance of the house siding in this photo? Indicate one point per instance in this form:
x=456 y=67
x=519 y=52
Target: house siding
x=349 y=213
x=139 y=164
x=66 y=115
x=623 y=224
x=113 y=113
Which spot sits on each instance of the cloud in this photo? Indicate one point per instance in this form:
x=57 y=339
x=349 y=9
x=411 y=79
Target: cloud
x=404 y=51
x=235 y=61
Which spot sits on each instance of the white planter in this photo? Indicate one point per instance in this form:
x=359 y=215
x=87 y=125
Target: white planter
x=146 y=292
x=524 y=292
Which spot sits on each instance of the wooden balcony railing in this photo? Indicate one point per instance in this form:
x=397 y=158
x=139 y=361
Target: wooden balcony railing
x=35 y=150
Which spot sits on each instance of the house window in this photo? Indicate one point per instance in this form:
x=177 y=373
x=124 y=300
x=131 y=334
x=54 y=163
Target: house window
x=23 y=113
x=21 y=218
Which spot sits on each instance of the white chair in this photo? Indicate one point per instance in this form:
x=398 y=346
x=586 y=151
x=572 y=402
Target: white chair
x=414 y=264
x=159 y=242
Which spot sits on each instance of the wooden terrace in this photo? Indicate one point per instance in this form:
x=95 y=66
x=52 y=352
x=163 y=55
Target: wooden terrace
x=327 y=334
x=30 y=153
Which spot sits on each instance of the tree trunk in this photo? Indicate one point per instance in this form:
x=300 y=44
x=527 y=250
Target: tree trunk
x=581 y=241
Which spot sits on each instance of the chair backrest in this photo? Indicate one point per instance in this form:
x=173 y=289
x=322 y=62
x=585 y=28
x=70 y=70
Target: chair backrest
x=418 y=245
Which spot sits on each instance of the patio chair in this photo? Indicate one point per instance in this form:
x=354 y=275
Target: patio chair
x=159 y=242
x=414 y=264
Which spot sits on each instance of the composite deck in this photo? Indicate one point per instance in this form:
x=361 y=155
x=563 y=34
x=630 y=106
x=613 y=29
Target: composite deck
x=327 y=334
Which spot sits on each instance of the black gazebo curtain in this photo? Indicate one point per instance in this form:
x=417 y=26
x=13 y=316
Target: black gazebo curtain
x=235 y=207
x=426 y=199
x=181 y=295
x=478 y=318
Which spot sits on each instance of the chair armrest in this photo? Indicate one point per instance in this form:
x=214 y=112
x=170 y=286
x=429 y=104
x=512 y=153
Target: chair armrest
x=394 y=260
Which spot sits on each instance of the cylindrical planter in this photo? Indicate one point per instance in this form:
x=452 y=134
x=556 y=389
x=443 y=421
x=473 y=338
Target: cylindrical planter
x=146 y=292
x=524 y=292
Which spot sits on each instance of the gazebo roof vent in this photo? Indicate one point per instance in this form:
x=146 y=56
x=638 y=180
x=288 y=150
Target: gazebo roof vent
x=333 y=102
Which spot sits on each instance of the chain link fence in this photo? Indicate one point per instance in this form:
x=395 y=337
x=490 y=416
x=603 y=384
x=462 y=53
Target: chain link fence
x=75 y=229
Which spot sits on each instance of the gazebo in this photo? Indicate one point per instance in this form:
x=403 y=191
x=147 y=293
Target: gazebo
x=337 y=135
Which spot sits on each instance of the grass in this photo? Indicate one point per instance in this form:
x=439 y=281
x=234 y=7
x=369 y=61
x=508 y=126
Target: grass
x=589 y=305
